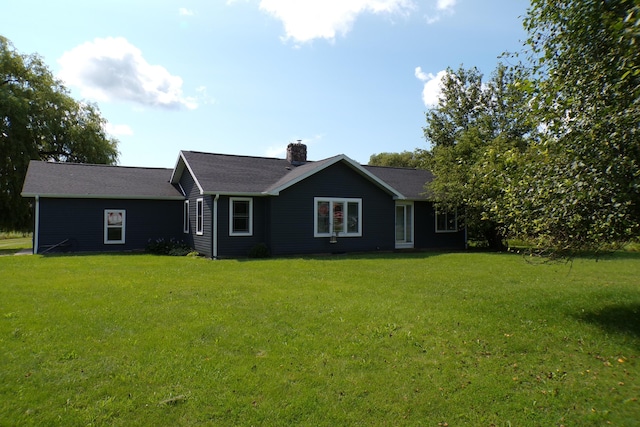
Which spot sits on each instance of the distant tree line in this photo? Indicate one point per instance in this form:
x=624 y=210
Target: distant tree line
x=547 y=150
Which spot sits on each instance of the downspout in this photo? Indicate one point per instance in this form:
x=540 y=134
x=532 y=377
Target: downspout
x=215 y=227
x=36 y=228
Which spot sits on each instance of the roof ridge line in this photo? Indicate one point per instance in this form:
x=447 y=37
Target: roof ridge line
x=101 y=165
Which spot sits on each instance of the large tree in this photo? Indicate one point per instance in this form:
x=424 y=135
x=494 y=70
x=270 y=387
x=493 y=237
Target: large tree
x=40 y=120
x=477 y=132
x=580 y=184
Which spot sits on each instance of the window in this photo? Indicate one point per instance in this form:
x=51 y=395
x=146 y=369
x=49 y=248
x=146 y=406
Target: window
x=446 y=222
x=200 y=216
x=240 y=216
x=114 y=226
x=185 y=221
x=340 y=216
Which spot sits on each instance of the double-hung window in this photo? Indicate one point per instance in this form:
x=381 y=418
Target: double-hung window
x=336 y=216
x=114 y=226
x=200 y=216
x=447 y=221
x=240 y=216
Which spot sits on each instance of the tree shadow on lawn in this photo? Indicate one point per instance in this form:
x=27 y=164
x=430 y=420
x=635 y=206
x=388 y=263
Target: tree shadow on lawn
x=616 y=319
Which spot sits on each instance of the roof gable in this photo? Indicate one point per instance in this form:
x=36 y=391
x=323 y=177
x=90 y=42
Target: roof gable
x=303 y=172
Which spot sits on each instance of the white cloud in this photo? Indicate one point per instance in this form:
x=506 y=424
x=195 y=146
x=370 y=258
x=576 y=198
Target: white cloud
x=307 y=20
x=183 y=11
x=432 y=86
x=114 y=69
x=277 y=151
x=202 y=96
x=443 y=8
x=118 y=130
x=445 y=4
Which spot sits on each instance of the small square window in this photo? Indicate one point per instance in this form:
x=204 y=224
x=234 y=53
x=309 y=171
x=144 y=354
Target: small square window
x=446 y=222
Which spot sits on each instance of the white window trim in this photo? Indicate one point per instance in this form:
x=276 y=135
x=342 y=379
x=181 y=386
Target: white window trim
x=455 y=230
x=331 y=201
x=185 y=219
x=200 y=214
x=240 y=233
x=106 y=226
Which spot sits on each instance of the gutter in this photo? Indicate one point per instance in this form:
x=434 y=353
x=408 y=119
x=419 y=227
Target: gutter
x=214 y=227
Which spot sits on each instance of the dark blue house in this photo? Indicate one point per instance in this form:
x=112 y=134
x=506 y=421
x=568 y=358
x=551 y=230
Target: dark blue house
x=225 y=205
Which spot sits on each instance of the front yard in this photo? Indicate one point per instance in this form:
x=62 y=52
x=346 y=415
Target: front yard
x=415 y=339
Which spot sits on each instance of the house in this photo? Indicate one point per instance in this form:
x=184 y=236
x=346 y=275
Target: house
x=224 y=205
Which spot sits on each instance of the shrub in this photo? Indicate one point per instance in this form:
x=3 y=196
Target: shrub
x=171 y=247
x=260 y=250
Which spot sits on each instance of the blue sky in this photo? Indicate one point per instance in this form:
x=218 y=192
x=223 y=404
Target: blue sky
x=248 y=77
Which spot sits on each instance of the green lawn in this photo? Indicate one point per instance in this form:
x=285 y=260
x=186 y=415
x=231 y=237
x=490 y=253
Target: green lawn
x=425 y=339
x=10 y=246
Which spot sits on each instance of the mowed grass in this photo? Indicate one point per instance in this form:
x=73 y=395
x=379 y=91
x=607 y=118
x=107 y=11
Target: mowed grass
x=424 y=339
x=10 y=246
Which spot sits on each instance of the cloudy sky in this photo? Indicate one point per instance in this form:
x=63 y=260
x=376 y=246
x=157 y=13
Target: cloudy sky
x=247 y=77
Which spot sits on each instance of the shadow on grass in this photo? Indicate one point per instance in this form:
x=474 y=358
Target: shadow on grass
x=616 y=319
x=9 y=251
x=338 y=256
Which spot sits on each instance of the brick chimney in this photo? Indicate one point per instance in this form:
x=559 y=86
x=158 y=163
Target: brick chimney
x=297 y=153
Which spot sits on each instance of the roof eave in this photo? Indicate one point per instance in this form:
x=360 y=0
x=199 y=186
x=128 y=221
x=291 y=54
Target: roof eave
x=238 y=193
x=100 y=196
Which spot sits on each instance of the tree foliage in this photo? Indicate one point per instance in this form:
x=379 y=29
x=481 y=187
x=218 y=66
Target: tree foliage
x=40 y=120
x=405 y=159
x=476 y=132
x=580 y=184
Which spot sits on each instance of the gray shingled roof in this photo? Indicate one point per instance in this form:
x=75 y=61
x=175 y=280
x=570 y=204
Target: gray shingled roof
x=215 y=173
x=97 y=181
x=409 y=182
x=229 y=174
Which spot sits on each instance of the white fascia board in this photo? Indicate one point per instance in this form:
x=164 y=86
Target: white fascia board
x=354 y=165
x=321 y=166
x=358 y=167
x=235 y=193
x=178 y=171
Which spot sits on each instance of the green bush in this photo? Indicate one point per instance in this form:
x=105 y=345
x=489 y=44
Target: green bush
x=260 y=250
x=171 y=247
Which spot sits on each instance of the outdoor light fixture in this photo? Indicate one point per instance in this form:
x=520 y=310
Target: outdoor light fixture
x=334 y=237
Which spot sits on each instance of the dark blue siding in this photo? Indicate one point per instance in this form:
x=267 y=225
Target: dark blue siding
x=425 y=230
x=201 y=243
x=292 y=214
x=81 y=221
x=234 y=246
